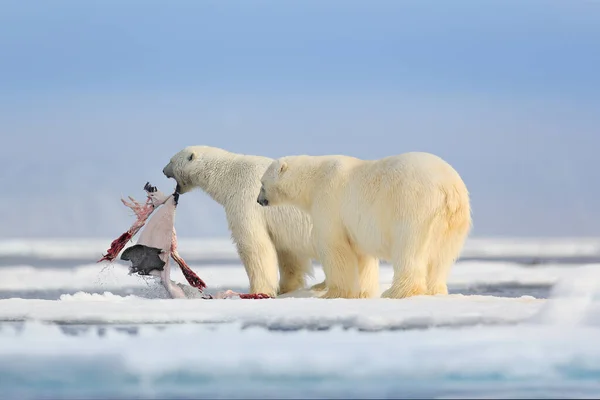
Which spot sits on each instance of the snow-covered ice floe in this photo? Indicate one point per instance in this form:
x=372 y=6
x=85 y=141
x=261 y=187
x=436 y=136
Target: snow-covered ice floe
x=115 y=276
x=296 y=310
x=534 y=349
x=443 y=346
x=284 y=314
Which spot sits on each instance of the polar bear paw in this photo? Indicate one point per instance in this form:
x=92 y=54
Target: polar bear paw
x=438 y=289
x=368 y=294
x=337 y=293
x=404 y=291
x=319 y=286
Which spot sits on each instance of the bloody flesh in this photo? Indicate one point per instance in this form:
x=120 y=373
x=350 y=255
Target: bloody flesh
x=142 y=212
x=193 y=279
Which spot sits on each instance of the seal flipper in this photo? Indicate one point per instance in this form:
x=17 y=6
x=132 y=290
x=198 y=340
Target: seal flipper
x=143 y=259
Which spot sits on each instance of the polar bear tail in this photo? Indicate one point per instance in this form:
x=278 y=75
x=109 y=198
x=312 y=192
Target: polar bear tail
x=458 y=210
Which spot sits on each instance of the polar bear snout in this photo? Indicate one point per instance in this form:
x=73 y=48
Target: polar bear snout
x=262 y=198
x=168 y=171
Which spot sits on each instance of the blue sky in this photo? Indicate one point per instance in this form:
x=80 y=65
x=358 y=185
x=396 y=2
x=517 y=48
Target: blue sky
x=96 y=96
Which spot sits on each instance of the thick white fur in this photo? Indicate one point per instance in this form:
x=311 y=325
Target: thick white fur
x=265 y=237
x=411 y=209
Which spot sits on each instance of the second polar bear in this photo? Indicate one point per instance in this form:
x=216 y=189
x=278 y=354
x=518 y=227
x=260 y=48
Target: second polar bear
x=265 y=238
x=411 y=209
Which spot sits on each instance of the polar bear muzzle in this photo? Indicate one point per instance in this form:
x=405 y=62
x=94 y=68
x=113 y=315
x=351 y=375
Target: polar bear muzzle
x=262 y=197
x=168 y=171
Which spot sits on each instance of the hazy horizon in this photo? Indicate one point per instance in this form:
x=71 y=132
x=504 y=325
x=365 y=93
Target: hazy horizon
x=96 y=97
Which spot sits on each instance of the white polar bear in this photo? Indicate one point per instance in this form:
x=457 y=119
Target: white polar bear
x=411 y=209
x=265 y=238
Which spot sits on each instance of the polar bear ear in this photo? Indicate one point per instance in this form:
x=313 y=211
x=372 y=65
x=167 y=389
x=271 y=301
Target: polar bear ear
x=282 y=167
x=192 y=156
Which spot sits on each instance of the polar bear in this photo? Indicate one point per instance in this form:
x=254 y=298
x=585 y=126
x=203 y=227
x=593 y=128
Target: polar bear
x=265 y=238
x=411 y=209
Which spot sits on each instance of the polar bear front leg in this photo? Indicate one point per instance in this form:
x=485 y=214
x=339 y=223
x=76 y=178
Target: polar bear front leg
x=341 y=271
x=260 y=261
x=293 y=270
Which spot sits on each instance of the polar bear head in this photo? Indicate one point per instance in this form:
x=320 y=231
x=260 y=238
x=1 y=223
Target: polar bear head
x=284 y=183
x=193 y=167
x=272 y=189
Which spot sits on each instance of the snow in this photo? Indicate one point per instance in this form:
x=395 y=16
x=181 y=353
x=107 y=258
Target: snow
x=532 y=247
x=112 y=276
x=94 y=303
x=91 y=301
x=222 y=248
x=288 y=313
x=302 y=310
x=95 y=340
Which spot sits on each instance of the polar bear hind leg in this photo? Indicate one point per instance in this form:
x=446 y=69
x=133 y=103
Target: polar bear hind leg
x=437 y=272
x=410 y=261
x=451 y=230
x=368 y=276
x=445 y=249
x=340 y=264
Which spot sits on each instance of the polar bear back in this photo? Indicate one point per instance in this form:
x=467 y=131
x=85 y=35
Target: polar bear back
x=373 y=201
x=382 y=197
